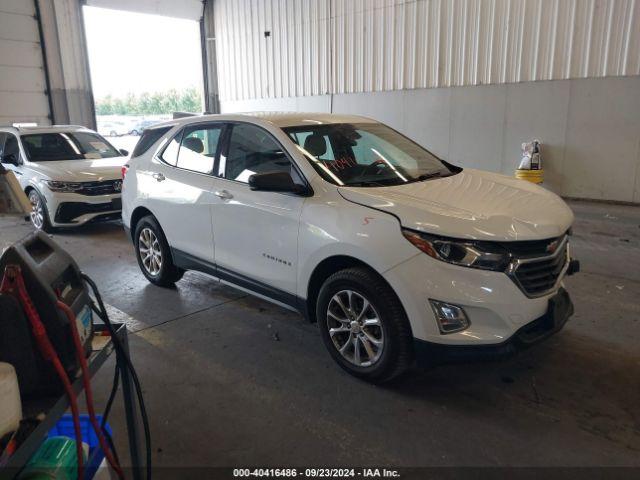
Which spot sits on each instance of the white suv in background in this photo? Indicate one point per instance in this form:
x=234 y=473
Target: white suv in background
x=71 y=174
x=398 y=255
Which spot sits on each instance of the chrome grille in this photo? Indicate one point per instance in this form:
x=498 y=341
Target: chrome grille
x=537 y=276
x=94 y=189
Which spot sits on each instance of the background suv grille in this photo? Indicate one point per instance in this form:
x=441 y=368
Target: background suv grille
x=538 y=276
x=100 y=188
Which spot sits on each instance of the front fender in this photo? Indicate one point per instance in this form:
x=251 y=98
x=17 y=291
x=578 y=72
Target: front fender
x=337 y=227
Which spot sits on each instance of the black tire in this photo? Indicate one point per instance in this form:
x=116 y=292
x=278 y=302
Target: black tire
x=36 y=198
x=397 y=351
x=167 y=274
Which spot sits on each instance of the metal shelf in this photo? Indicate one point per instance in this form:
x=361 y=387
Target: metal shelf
x=54 y=408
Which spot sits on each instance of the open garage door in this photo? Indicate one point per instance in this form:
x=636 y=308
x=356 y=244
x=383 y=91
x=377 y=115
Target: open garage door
x=187 y=9
x=23 y=90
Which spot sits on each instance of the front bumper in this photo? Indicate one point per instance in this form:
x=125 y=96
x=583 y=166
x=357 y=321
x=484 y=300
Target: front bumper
x=72 y=209
x=559 y=309
x=496 y=307
x=81 y=212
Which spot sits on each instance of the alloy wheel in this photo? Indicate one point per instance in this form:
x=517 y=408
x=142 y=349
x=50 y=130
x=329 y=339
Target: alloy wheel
x=150 y=251
x=37 y=210
x=355 y=328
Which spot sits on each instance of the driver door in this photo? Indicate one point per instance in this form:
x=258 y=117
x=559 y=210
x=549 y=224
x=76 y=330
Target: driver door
x=11 y=156
x=256 y=233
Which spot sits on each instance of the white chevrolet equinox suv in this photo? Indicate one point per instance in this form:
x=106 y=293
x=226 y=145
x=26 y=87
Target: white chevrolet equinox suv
x=400 y=257
x=71 y=174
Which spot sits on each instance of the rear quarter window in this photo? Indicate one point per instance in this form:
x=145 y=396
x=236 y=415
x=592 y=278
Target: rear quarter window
x=148 y=138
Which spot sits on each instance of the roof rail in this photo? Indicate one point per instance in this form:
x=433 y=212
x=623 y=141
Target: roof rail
x=14 y=124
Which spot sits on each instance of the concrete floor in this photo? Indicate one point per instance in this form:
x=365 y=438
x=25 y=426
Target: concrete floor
x=231 y=380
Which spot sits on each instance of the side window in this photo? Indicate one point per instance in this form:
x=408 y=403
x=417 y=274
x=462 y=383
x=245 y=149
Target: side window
x=148 y=138
x=253 y=150
x=2 y=138
x=170 y=153
x=198 y=148
x=11 y=147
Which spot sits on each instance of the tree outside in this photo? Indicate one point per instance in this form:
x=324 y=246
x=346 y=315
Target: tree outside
x=188 y=100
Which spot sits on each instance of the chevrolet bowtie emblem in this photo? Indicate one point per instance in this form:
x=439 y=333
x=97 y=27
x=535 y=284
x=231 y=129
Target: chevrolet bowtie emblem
x=552 y=246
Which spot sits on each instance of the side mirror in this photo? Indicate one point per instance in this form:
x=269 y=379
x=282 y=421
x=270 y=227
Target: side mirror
x=11 y=158
x=275 y=182
x=123 y=152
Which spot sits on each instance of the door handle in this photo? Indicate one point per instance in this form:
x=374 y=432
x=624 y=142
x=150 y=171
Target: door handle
x=159 y=177
x=223 y=194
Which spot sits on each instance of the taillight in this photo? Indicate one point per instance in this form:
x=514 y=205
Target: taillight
x=124 y=170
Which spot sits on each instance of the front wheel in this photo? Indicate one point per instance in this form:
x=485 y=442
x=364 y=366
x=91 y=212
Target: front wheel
x=363 y=325
x=154 y=255
x=39 y=215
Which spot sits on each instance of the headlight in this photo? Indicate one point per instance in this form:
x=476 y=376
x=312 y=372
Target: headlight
x=466 y=253
x=67 y=187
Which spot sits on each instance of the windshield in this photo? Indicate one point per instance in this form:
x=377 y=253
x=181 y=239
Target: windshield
x=366 y=154
x=45 y=147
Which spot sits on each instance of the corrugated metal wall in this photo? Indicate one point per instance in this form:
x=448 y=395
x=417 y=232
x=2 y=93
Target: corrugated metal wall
x=340 y=46
x=22 y=79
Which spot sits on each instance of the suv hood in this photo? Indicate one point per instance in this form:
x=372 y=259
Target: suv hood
x=89 y=170
x=472 y=204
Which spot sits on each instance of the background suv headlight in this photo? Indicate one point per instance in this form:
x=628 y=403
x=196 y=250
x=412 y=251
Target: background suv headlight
x=466 y=253
x=69 y=187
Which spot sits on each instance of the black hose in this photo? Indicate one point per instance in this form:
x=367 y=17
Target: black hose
x=107 y=409
x=112 y=395
x=122 y=355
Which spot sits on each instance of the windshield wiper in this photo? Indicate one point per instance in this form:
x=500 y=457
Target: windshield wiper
x=429 y=176
x=365 y=184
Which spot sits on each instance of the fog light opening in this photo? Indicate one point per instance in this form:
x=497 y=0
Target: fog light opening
x=450 y=318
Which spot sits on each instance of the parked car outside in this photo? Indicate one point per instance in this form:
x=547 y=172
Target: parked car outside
x=140 y=126
x=113 y=129
x=71 y=174
x=398 y=255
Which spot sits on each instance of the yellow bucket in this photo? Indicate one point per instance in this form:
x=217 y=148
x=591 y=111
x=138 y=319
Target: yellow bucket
x=534 y=176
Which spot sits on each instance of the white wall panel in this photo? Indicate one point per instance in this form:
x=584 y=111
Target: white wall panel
x=22 y=79
x=344 y=46
x=589 y=128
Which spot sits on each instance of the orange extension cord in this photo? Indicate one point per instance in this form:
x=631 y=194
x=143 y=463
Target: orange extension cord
x=13 y=283
x=87 y=389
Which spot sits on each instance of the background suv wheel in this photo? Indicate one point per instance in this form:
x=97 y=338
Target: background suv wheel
x=154 y=255
x=39 y=214
x=363 y=325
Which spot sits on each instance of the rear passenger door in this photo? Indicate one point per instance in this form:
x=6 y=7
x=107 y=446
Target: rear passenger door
x=182 y=185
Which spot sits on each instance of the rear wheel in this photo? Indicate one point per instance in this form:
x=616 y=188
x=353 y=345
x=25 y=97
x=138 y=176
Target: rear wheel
x=39 y=214
x=363 y=325
x=154 y=255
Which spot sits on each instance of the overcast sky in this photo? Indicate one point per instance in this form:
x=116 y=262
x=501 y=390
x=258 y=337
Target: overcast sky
x=134 y=52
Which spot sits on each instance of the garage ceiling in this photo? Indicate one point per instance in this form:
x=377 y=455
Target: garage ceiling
x=23 y=85
x=189 y=9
